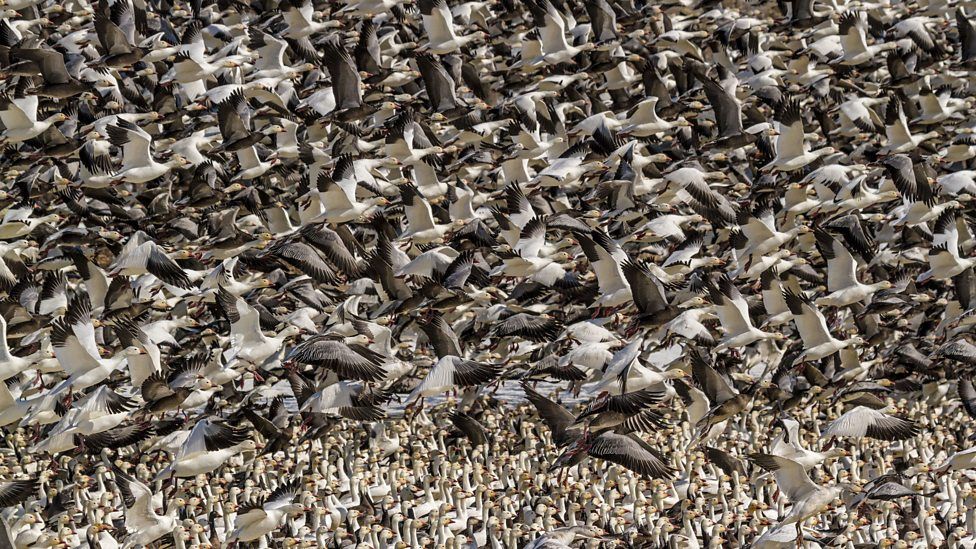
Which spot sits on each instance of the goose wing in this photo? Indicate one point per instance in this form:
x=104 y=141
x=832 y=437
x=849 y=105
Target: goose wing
x=790 y=142
x=632 y=453
x=840 y=263
x=731 y=307
x=863 y=422
x=555 y=416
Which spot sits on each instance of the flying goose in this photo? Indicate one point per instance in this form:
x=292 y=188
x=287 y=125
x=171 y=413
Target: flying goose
x=818 y=343
x=792 y=151
x=733 y=312
x=209 y=446
x=842 y=283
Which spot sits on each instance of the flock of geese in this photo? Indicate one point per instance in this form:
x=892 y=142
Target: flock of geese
x=495 y=273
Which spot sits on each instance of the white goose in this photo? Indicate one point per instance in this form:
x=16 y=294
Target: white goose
x=19 y=117
x=792 y=151
x=733 y=312
x=944 y=259
x=842 y=283
x=248 y=342
x=142 y=521
x=810 y=322
x=260 y=519
x=453 y=372
x=11 y=365
x=439 y=26
x=209 y=446
x=73 y=339
x=607 y=259
x=854 y=43
x=138 y=164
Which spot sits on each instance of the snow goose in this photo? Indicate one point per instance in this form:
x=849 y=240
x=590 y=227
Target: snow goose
x=100 y=411
x=961 y=148
x=438 y=24
x=792 y=151
x=142 y=522
x=919 y=202
x=645 y=122
x=527 y=262
x=248 y=342
x=857 y=115
x=347 y=399
x=900 y=138
x=138 y=164
x=956 y=183
x=810 y=323
x=733 y=312
x=19 y=117
x=73 y=339
x=606 y=257
x=861 y=421
x=353 y=360
x=763 y=237
x=341 y=204
x=944 y=259
x=788 y=445
x=18 y=222
x=10 y=364
x=421 y=226
x=254 y=521
x=564 y=537
x=453 y=372
x=856 y=50
x=842 y=283
x=938 y=106
x=140 y=256
x=115 y=29
x=808 y=498
x=209 y=446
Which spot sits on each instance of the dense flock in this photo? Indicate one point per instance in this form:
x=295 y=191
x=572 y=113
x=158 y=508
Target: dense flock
x=499 y=273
